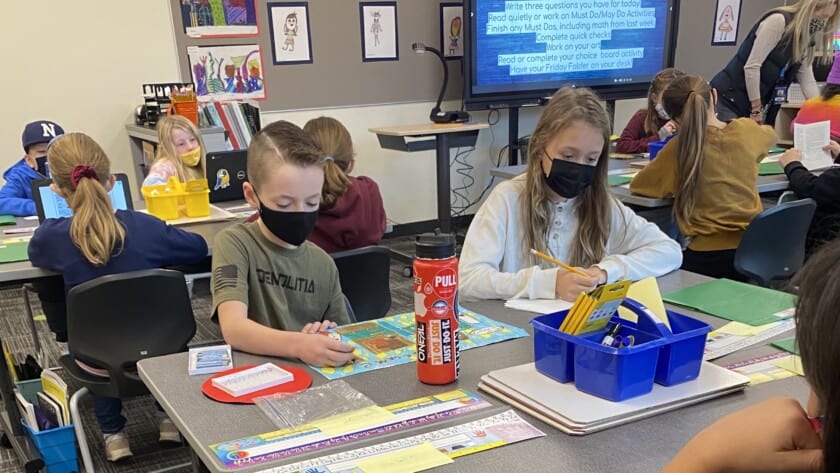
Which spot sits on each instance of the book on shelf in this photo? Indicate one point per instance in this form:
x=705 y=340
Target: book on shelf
x=252 y=379
x=241 y=120
x=212 y=359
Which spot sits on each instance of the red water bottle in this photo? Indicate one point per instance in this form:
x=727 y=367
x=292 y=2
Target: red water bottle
x=436 y=309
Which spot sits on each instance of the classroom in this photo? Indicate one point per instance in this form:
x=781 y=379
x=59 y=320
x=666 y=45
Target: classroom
x=490 y=307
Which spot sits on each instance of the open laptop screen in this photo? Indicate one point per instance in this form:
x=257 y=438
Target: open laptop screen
x=51 y=205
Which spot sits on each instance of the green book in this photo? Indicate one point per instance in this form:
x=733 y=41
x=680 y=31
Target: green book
x=615 y=180
x=737 y=301
x=769 y=169
x=12 y=252
x=7 y=220
x=788 y=345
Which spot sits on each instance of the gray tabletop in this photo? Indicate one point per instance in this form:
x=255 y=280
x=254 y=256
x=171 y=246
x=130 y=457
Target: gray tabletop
x=764 y=184
x=24 y=271
x=640 y=446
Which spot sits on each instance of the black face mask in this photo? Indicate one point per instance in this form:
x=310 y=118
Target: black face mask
x=291 y=227
x=569 y=179
x=42 y=166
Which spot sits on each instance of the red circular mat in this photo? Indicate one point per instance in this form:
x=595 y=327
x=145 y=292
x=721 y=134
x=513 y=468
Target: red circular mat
x=301 y=381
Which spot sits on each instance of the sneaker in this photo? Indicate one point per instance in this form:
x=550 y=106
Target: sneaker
x=116 y=447
x=168 y=432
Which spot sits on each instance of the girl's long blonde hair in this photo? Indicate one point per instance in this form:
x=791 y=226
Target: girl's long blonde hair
x=166 y=148
x=688 y=100
x=80 y=168
x=334 y=140
x=797 y=31
x=567 y=107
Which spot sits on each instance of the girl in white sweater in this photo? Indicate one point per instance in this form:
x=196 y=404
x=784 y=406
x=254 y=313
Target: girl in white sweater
x=561 y=206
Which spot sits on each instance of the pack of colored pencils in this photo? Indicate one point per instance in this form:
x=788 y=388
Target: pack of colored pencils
x=592 y=312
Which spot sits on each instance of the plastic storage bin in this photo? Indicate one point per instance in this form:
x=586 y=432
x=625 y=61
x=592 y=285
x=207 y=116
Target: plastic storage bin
x=196 y=198
x=57 y=447
x=162 y=200
x=621 y=373
x=654 y=147
x=169 y=201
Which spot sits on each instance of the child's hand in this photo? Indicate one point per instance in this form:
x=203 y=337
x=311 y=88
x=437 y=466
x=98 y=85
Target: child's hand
x=832 y=147
x=569 y=284
x=325 y=351
x=318 y=327
x=790 y=156
x=774 y=435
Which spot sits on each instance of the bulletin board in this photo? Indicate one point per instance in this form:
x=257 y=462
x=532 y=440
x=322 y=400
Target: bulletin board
x=337 y=76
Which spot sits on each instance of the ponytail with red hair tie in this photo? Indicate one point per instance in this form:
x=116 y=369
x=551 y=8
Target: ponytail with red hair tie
x=80 y=172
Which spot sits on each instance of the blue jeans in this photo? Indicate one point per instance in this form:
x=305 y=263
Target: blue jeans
x=108 y=412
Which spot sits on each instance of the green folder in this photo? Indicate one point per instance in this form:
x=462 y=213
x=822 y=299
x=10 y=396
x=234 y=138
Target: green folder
x=7 y=220
x=731 y=300
x=777 y=149
x=788 y=345
x=12 y=252
x=769 y=169
x=615 y=180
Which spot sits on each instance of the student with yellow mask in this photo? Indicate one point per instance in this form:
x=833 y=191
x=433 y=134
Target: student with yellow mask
x=180 y=152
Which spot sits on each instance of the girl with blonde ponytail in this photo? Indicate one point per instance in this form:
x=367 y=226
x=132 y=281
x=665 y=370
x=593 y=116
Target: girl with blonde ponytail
x=97 y=241
x=561 y=206
x=351 y=213
x=710 y=168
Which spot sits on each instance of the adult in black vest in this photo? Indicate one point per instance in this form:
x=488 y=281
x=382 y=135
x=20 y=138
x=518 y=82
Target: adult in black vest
x=778 y=50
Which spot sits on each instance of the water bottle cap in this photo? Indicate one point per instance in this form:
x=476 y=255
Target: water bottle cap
x=429 y=245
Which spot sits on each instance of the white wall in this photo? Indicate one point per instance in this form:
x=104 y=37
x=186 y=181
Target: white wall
x=82 y=63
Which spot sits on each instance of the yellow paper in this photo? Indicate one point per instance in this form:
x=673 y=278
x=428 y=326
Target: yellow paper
x=417 y=458
x=613 y=137
x=354 y=420
x=792 y=364
x=646 y=292
x=744 y=330
x=770 y=159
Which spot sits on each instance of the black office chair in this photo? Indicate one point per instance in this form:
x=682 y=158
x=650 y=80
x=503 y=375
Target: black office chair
x=114 y=321
x=773 y=247
x=365 y=275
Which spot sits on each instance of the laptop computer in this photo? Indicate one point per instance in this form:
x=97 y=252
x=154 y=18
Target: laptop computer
x=225 y=175
x=51 y=205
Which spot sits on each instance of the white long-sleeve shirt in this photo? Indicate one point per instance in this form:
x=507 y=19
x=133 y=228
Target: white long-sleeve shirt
x=767 y=37
x=496 y=265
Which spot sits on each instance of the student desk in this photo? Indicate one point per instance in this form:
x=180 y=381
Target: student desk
x=764 y=184
x=639 y=446
x=440 y=137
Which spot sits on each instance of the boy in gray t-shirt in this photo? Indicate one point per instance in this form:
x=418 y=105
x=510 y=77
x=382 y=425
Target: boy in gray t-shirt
x=274 y=293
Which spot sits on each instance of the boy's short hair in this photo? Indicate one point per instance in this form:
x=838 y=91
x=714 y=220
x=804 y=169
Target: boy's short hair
x=40 y=131
x=278 y=143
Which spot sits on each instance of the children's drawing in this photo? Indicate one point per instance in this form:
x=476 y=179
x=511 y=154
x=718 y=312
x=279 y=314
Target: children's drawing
x=727 y=15
x=219 y=18
x=378 y=21
x=227 y=72
x=451 y=30
x=291 y=41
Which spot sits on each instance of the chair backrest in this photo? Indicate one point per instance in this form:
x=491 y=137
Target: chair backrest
x=365 y=275
x=116 y=320
x=773 y=247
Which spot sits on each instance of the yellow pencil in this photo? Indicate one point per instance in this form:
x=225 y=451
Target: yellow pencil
x=563 y=265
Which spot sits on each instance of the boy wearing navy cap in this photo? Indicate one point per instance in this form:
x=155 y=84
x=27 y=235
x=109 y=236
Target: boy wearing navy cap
x=16 y=194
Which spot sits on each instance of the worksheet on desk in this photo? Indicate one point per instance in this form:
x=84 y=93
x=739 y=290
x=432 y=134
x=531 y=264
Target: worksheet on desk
x=810 y=139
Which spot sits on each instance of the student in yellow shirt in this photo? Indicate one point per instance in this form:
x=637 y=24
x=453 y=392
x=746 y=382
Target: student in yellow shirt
x=710 y=168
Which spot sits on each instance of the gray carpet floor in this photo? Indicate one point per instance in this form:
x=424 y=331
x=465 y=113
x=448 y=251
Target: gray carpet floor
x=140 y=412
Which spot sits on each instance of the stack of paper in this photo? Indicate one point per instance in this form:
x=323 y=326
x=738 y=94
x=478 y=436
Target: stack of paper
x=576 y=413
